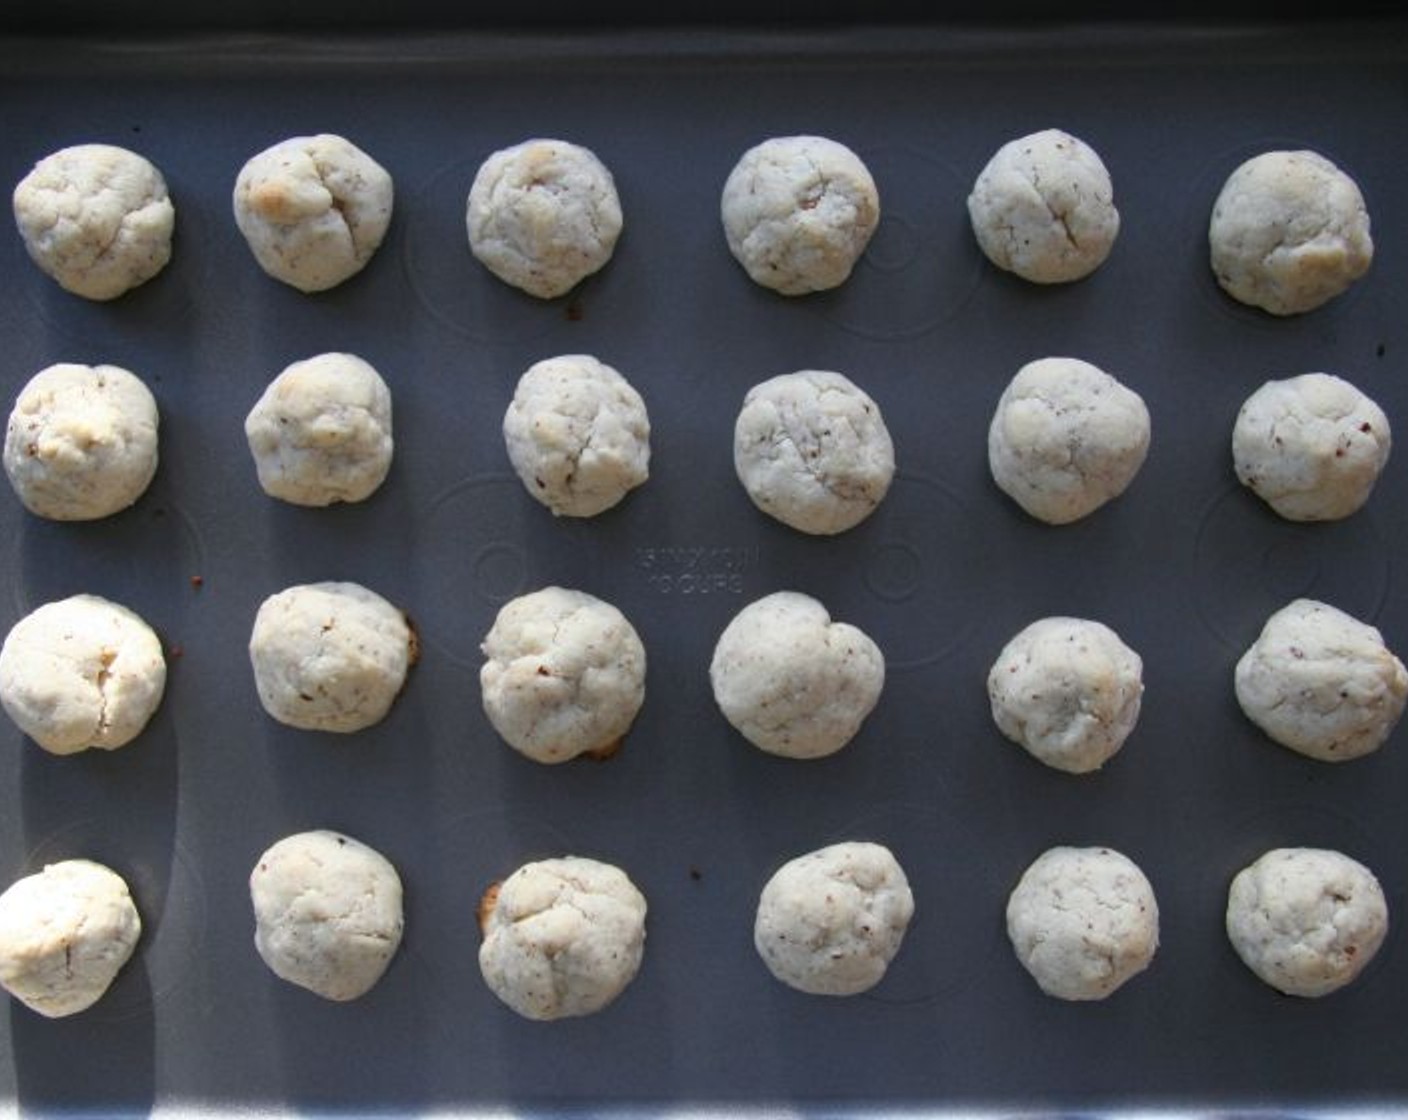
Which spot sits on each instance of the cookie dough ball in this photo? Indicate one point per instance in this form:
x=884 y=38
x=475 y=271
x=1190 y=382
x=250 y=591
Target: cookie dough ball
x=543 y=215
x=562 y=937
x=1322 y=683
x=1068 y=690
x=1307 y=921
x=321 y=432
x=1289 y=232
x=327 y=913
x=798 y=211
x=81 y=442
x=330 y=656
x=564 y=675
x=791 y=681
x=1044 y=208
x=313 y=209
x=1083 y=921
x=96 y=218
x=812 y=450
x=1066 y=438
x=578 y=435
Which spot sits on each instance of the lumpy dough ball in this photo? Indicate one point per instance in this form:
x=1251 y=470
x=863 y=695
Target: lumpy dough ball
x=1289 y=232
x=96 y=218
x=562 y=937
x=1044 y=208
x=1066 y=438
x=327 y=913
x=543 y=215
x=321 y=431
x=1068 y=690
x=564 y=675
x=1307 y=921
x=314 y=209
x=798 y=212
x=1322 y=683
x=1083 y=921
x=577 y=434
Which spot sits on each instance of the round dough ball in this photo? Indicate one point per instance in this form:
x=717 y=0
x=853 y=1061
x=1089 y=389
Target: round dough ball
x=798 y=211
x=1322 y=683
x=313 y=209
x=562 y=937
x=1311 y=446
x=1289 y=232
x=793 y=682
x=96 y=218
x=81 y=672
x=1066 y=438
x=1307 y=921
x=81 y=442
x=321 y=432
x=1044 y=208
x=564 y=675
x=1068 y=690
x=330 y=656
x=1083 y=921
x=327 y=913
x=812 y=450
x=578 y=435
x=831 y=921
x=543 y=215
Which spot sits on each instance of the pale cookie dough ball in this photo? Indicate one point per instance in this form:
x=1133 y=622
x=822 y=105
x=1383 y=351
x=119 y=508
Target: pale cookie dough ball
x=96 y=218
x=1044 y=208
x=314 y=209
x=1322 y=683
x=1311 y=446
x=330 y=656
x=578 y=435
x=65 y=933
x=1066 y=438
x=81 y=442
x=562 y=937
x=798 y=211
x=1083 y=921
x=543 y=215
x=1307 y=921
x=327 y=913
x=793 y=682
x=564 y=675
x=812 y=450
x=1289 y=232
x=321 y=432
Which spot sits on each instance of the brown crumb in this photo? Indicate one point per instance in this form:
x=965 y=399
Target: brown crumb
x=574 y=312
x=175 y=651
x=197 y=582
x=487 y=901
x=413 y=645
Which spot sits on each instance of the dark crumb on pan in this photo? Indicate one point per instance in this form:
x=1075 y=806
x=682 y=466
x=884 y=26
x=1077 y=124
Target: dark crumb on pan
x=1381 y=350
x=573 y=311
x=197 y=582
x=413 y=646
x=487 y=901
x=602 y=753
x=175 y=651
x=695 y=874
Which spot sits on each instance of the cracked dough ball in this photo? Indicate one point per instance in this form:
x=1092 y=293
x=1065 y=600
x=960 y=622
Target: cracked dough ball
x=543 y=215
x=1289 y=232
x=1066 y=438
x=1068 y=690
x=793 y=682
x=798 y=212
x=1322 y=683
x=314 y=209
x=1044 y=208
x=327 y=913
x=562 y=937
x=1083 y=921
x=1307 y=921
x=564 y=675
x=65 y=933
x=578 y=435
x=330 y=656
x=1311 y=446
x=96 y=218
x=321 y=432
